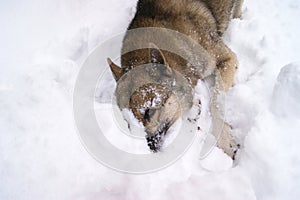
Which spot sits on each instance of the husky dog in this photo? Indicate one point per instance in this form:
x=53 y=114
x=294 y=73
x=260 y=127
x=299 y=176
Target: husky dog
x=154 y=101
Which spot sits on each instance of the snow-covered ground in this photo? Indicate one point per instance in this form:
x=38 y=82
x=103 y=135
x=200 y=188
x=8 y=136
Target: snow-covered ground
x=43 y=44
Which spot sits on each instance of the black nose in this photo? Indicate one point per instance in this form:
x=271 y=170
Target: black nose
x=154 y=142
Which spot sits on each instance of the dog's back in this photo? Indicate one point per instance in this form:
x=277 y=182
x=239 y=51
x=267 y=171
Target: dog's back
x=191 y=18
x=204 y=21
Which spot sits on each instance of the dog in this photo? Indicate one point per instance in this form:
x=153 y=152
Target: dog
x=154 y=101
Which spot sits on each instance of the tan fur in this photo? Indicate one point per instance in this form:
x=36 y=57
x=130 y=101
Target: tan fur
x=205 y=22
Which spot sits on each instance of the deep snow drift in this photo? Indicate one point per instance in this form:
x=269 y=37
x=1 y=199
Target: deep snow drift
x=43 y=45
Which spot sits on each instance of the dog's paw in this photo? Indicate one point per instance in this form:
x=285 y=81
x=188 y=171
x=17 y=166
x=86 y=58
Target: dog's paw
x=227 y=143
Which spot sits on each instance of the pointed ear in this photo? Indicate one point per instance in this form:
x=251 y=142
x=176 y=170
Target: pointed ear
x=116 y=70
x=156 y=55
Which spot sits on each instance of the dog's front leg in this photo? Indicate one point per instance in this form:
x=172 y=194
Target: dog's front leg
x=226 y=68
x=220 y=128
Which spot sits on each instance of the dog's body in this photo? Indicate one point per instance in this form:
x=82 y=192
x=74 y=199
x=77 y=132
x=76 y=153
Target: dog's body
x=202 y=20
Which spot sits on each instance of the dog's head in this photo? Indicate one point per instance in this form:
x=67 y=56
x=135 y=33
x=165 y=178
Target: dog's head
x=151 y=93
x=157 y=108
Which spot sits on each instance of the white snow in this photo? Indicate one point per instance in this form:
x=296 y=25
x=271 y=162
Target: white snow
x=286 y=92
x=43 y=44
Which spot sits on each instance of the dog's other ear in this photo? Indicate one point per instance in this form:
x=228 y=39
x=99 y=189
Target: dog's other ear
x=116 y=70
x=156 y=55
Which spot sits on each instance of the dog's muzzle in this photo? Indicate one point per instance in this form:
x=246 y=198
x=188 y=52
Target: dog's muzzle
x=155 y=140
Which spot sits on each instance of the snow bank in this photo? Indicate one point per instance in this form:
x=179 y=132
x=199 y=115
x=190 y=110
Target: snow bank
x=286 y=92
x=273 y=141
x=41 y=157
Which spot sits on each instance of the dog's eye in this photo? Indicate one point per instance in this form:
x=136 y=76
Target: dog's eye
x=149 y=114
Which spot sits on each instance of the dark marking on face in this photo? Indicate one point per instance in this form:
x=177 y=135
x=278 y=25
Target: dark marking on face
x=149 y=113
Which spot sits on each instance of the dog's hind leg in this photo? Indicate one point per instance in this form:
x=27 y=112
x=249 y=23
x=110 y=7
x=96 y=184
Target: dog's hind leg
x=221 y=10
x=237 y=9
x=227 y=65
